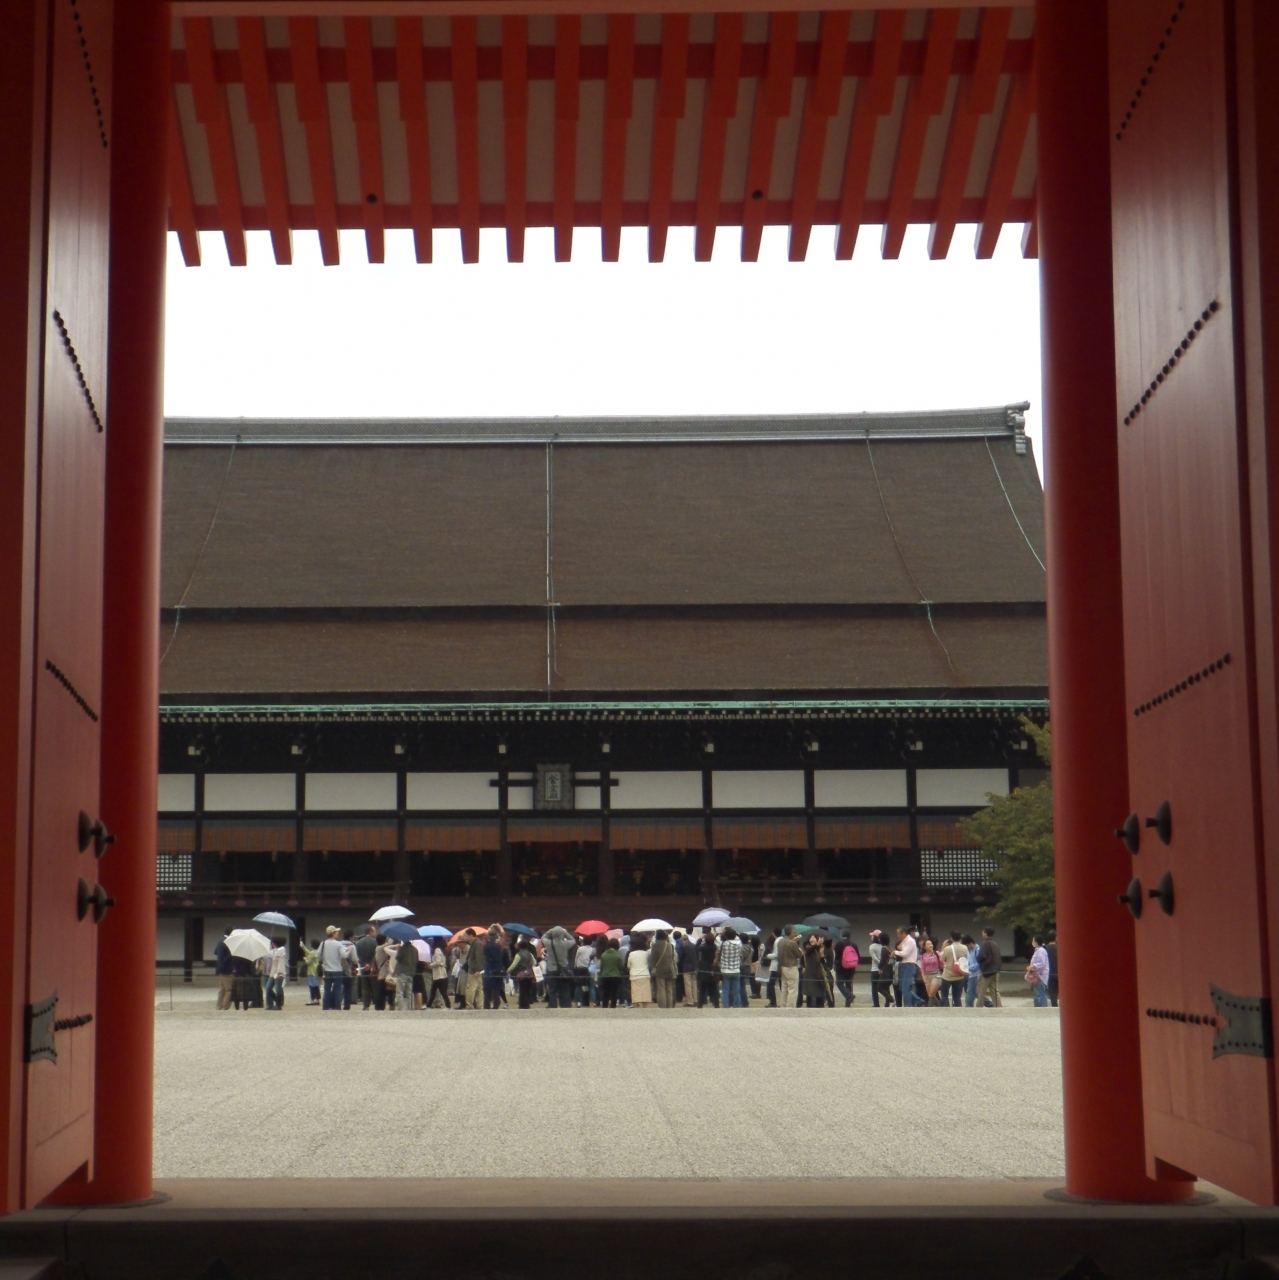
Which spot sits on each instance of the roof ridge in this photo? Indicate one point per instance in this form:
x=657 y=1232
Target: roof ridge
x=999 y=420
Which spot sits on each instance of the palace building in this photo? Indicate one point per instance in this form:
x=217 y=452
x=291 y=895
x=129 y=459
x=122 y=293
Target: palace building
x=542 y=670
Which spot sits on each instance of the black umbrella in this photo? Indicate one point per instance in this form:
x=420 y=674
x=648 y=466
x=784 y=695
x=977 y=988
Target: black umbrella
x=824 y=920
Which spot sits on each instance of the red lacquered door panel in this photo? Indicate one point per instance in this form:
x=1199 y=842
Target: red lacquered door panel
x=1207 y=1077
x=59 y=1125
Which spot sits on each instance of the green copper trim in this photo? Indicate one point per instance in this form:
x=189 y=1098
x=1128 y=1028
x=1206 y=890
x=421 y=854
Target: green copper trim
x=543 y=710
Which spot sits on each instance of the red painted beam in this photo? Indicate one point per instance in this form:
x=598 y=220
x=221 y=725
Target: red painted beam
x=211 y=112
x=927 y=98
x=619 y=98
x=1003 y=167
x=259 y=93
x=313 y=112
x=568 y=40
x=437 y=63
x=515 y=131
x=720 y=107
x=772 y=102
x=671 y=92
x=181 y=202
x=976 y=99
x=412 y=93
x=368 y=131
x=821 y=101
x=466 y=124
x=874 y=99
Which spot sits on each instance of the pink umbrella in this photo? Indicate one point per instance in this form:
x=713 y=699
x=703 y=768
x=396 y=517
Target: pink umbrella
x=423 y=948
x=615 y=934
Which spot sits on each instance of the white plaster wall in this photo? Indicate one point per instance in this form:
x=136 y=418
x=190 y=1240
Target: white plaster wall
x=860 y=788
x=960 y=787
x=758 y=789
x=452 y=791
x=176 y=793
x=350 y=791
x=244 y=792
x=657 y=789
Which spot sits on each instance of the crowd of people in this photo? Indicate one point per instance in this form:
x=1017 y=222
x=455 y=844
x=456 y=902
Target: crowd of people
x=695 y=968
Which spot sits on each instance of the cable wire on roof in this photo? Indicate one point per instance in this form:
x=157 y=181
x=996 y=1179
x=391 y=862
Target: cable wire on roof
x=923 y=599
x=199 y=555
x=1008 y=499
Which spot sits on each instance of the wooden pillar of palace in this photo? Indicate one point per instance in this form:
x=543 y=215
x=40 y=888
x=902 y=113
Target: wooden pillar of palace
x=505 y=863
x=1101 y=1070
x=708 y=868
x=403 y=871
x=605 y=886
x=122 y=1137
x=812 y=870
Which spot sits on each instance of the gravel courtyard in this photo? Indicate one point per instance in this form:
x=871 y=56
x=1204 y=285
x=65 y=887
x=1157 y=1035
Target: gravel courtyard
x=589 y=1093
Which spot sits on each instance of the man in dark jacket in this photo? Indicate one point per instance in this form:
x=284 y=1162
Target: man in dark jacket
x=991 y=962
x=371 y=990
x=222 y=966
x=707 y=971
x=686 y=959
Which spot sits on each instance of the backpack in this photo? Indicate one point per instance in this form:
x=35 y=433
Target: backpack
x=850 y=959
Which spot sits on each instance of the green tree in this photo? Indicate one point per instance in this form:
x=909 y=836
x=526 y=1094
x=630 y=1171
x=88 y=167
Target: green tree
x=1016 y=834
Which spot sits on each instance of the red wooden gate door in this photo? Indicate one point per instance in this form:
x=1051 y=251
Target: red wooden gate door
x=1202 y=980
x=62 y=964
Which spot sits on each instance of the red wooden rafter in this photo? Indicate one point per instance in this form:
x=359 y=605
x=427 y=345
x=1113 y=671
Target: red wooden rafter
x=466 y=124
x=976 y=99
x=259 y=94
x=720 y=107
x=821 y=102
x=211 y=112
x=672 y=83
x=874 y=99
x=568 y=40
x=368 y=132
x=181 y=202
x=412 y=93
x=926 y=99
x=515 y=132
x=619 y=96
x=772 y=102
x=1007 y=158
x=313 y=112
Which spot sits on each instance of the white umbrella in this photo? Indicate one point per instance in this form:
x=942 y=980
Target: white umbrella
x=712 y=916
x=390 y=913
x=651 y=926
x=423 y=949
x=248 y=944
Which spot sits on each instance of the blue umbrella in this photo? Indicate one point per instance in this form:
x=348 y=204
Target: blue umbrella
x=520 y=928
x=434 y=931
x=400 y=931
x=274 y=917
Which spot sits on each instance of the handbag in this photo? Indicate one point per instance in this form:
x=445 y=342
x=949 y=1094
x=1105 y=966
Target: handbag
x=1031 y=977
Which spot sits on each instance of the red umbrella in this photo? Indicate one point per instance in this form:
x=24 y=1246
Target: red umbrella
x=591 y=928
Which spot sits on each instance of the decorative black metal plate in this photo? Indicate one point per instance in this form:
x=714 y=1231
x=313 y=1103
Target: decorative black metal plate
x=40 y=1029
x=1245 y=1025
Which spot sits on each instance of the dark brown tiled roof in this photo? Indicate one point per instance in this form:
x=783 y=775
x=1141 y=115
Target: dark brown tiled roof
x=773 y=519
x=282 y=656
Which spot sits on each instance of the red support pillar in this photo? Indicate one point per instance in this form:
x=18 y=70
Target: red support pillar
x=1101 y=1068
x=130 y=660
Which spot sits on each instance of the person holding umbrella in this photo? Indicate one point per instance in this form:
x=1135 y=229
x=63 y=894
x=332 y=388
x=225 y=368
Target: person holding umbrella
x=637 y=968
x=707 y=970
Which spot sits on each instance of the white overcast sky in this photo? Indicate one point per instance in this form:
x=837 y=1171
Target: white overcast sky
x=544 y=338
